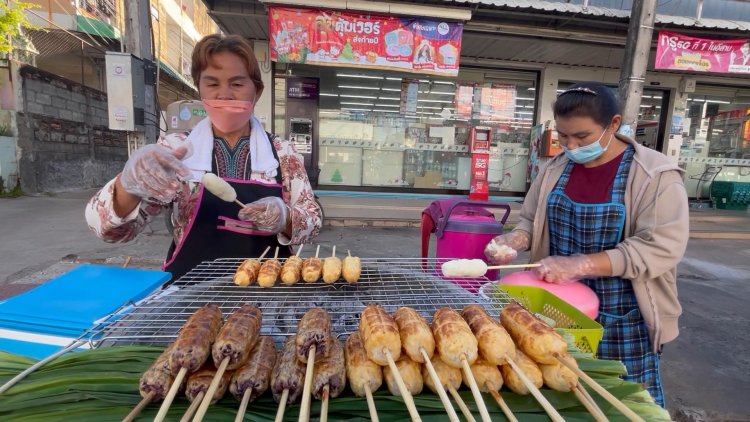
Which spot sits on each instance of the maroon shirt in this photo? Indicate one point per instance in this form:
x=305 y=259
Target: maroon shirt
x=593 y=185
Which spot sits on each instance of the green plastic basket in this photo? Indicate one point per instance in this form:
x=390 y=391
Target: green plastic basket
x=586 y=332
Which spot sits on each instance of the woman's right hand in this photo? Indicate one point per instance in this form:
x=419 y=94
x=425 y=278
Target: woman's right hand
x=504 y=249
x=155 y=172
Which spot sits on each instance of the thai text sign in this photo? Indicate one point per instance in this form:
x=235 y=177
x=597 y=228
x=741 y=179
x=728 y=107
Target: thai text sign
x=680 y=52
x=333 y=38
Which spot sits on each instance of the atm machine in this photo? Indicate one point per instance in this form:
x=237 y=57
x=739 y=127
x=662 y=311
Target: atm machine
x=302 y=96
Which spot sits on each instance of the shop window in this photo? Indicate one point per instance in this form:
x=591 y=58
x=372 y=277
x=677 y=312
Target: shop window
x=405 y=130
x=716 y=133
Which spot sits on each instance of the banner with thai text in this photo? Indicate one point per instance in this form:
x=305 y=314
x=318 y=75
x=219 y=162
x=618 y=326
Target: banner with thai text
x=334 y=38
x=680 y=52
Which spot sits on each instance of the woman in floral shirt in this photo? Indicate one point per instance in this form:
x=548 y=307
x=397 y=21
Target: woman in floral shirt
x=265 y=171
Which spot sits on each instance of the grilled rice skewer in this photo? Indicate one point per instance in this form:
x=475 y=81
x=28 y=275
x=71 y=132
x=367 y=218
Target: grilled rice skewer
x=365 y=376
x=191 y=349
x=252 y=379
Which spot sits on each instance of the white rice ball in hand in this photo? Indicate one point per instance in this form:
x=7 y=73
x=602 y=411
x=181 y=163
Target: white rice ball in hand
x=219 y=187
x=464 y=268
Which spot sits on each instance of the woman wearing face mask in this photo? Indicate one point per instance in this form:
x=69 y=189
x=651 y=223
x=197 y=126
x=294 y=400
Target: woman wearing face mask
x=265 y=171
x=613 y=214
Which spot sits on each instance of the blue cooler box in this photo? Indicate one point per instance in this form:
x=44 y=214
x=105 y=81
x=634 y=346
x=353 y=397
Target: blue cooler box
x=47 y=318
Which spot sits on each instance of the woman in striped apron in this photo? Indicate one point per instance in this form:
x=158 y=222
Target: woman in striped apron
x=581 y=220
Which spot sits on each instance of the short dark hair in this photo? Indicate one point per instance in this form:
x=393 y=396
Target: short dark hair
x=587 y=99
x=217 y=43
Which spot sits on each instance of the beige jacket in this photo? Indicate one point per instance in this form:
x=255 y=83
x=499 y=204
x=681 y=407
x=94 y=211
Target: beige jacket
x=656 y=233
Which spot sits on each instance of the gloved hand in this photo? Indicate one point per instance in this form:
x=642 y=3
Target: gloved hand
x=155 y=172
x=504 y=249
x=267 y=214
x=565 y=269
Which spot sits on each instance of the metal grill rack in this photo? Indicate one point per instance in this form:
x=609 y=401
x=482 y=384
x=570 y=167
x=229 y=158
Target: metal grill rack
x=391 y=282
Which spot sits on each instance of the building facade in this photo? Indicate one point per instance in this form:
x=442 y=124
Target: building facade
x=515 y=57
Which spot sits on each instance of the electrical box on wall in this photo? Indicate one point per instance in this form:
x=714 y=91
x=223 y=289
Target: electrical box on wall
x=125 y=91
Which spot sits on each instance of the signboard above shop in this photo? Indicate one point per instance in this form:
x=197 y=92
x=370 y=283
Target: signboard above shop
x=334 y=38
x=680 y=52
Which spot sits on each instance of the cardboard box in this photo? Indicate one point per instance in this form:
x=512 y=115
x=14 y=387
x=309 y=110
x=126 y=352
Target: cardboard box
x=431 y=179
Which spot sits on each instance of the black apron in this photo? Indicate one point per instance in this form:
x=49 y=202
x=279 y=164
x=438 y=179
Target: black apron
x=214 y=231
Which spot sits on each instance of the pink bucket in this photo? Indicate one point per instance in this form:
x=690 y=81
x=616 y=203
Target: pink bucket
x=463 y=229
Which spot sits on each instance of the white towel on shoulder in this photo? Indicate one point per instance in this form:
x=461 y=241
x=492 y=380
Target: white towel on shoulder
x=262 y=160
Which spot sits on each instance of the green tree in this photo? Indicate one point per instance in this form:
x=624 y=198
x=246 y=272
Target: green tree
x=12 y=18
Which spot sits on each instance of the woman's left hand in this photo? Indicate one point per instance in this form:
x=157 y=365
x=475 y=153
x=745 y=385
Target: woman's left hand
x=269 y=214
x=565 y=269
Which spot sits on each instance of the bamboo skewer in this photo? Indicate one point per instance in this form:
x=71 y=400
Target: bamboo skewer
x=324 y=405
x=503 y=405
x=263 y=255
x=475 y=390
x=591 y=400
x=170 y=395
x=439 y=386
x=243 y=405
x=405 y=393
x=601 y=390
x=371 y=405
x=317 y=251
x=299 y=251
x=333 y=253
x=304 y=411
x=237 y=201
x=139 y=408
x=589 y=405
x=508 y=266
x=551 y=411
x=282 y=405
x=211 y=390
x=193 y=406
x=461 y=405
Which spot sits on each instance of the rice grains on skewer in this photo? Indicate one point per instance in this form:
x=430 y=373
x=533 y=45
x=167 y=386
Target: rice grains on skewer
x=252 y=379
x=329 y=379
x=312 y=268
x=287 y=376
x=247 y=272
x=232 y=348
x=154 y=383
x=418 y=342
x=198 y=388
x=291 y=271
x=313 y=342
x=365 y=376
x=191 y=349
x=382 y=342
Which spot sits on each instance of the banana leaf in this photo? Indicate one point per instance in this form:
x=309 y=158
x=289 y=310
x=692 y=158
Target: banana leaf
x=102 y=385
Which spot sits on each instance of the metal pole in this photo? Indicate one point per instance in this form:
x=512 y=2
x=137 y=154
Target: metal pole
x=138 y=43
x=633 y=73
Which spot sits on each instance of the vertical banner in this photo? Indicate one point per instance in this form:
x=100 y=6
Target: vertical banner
x=680 y=52
x=479 y=190
x=409 y=93
x=336 y=38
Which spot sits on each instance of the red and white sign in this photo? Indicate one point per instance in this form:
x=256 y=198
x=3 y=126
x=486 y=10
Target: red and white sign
x=480 y=164
x=333 y=38
x=680 y=52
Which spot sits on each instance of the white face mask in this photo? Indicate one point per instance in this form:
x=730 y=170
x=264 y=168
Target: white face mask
x=589 y=153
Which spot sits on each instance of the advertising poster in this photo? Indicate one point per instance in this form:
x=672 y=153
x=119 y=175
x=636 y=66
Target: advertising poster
x=498 y=102
x=464 y=101
x=680 y=52
x=535 y=145
x=409 y=92
x=336 y=38
x=479 y=190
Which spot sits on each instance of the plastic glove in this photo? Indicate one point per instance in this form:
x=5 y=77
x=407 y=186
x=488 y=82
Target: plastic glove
x=267 y=214
x=155 y=172
x=504 y=249
x=565 y=269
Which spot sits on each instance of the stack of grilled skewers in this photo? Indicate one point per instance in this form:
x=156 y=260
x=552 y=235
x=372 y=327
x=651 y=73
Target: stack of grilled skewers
x=469 y=347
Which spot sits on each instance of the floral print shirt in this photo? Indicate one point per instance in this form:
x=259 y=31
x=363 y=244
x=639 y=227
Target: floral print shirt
x=297 y=194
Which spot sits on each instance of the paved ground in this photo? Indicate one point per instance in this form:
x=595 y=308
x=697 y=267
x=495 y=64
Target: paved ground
x=706 y=370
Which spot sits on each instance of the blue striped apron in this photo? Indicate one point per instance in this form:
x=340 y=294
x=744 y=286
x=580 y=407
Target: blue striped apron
x=577 y=228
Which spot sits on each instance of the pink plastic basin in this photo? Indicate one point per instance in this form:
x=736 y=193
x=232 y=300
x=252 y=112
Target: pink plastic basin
x=575 y=293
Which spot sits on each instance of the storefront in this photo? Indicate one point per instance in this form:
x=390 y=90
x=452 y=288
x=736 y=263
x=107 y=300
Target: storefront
x=378 y=127
x=368 y=138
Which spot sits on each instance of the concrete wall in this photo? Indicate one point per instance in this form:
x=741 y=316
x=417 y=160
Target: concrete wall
x=63 y=139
